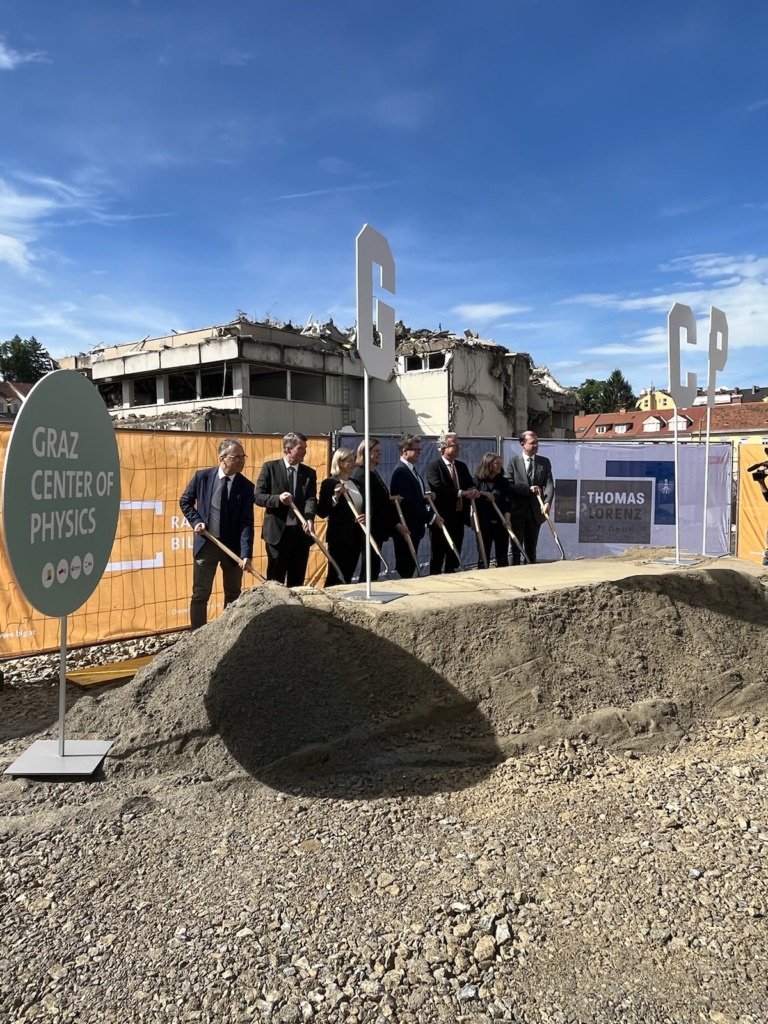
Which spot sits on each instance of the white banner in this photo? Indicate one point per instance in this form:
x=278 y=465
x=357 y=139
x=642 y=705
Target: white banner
x=610 y=497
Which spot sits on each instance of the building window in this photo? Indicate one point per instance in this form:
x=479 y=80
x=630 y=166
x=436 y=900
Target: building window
x=602 y=429
x=355 y=392
x=651 y=426
x=182 y=387
x=216 y=383
x=429 y=361
x=268 y=383
x=307 y=387
x=145 y=391
x=112 y=393
x=622 y=428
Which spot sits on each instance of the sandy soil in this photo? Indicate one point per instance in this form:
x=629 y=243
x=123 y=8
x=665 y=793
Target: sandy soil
x=514 y=797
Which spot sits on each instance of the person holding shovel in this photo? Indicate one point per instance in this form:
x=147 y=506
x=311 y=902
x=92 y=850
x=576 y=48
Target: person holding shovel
x=451 y=482
x=493 y=508
x=530 y=477
x=384 y=518
x=410 y=495
x=286 y=486
x=219 y=501
x=341 y=502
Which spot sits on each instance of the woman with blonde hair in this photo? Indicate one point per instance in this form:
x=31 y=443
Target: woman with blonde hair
x=343 y=536
x=384 y=518
x=491 y=482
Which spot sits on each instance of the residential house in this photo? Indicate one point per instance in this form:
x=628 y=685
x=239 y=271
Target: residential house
x=12 y=394
x=735 y=422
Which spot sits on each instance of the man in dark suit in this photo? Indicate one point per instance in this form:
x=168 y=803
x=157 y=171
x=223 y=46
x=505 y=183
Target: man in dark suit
x=220 y=501
x=409 y=487
x=453 y=487
x=530 y=476
x=285 y=484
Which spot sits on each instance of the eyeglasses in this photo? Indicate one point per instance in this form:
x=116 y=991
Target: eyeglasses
x=236 y=458
x=413 y=449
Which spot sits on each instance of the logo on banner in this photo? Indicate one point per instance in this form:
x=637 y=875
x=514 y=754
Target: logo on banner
x=615 y=511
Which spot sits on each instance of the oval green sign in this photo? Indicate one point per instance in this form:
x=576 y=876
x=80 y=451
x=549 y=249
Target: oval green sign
x=61 y=493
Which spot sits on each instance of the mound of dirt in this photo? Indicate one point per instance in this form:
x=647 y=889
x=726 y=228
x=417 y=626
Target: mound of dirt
x=310 y=814
x=285 y=680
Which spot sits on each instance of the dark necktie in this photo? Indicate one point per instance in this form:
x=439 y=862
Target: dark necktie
x=454 y=477
x=292 y=480
x=225 y=503
x=530 y=471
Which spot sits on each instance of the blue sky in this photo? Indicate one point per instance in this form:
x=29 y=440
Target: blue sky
x=552 y=174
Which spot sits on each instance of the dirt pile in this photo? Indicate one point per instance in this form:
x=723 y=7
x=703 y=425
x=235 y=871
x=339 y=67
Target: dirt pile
x=286 y=679
x=311 y=814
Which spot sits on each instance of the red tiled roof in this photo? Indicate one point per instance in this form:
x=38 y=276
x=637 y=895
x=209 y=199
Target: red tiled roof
x=734 y=418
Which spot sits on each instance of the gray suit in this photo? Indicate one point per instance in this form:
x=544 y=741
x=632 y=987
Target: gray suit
x=525 y=511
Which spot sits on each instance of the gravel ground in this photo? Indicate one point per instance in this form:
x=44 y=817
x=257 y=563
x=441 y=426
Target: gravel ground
x=272 y=844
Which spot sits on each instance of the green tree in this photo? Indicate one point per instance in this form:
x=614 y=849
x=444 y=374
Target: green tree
x=589 y=395
x=24 y=360
x=595 y=396
x=617 y=393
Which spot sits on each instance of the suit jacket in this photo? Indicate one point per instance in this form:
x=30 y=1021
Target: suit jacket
x=384 y=515
x=237 y=526
x=522 y=501
x=416 y=512
x=342 y=530
x=272 y=482
x=440 y=481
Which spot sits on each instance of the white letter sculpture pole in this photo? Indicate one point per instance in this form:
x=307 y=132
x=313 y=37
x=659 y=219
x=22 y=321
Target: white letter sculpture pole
x=375 y=345
x=681 y=318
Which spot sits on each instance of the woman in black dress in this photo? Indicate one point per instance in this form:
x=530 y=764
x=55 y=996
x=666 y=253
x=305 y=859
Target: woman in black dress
x=343 y=536
x=492 y=483
x=384 y=519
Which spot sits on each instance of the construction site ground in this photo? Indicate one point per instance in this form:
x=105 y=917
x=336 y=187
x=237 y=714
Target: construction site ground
x=529 y=794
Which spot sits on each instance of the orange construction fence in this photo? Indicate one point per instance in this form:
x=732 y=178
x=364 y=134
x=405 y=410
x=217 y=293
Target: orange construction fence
x=753 y=508
x=147 y=583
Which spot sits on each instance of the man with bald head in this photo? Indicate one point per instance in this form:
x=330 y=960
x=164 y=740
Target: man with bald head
x=530 y=478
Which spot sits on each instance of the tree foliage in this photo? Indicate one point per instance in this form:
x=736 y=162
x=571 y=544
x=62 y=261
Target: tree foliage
x=609 y=395
x=24 y=360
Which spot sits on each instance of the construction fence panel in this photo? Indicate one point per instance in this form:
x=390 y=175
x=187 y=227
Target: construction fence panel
x=753 y=508
x=147 y=583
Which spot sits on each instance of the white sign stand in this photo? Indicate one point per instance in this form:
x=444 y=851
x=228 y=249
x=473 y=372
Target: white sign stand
x=62 y=431
x=52 y=757
x=377 y=351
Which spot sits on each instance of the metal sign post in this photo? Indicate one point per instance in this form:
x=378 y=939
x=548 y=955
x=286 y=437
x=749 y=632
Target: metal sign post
x=61 y=500
x=681 y=318
x=376 y=345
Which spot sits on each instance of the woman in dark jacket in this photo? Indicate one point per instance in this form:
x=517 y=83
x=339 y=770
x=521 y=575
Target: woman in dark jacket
x=492 y=483
x=343 y=535
x=384 y=519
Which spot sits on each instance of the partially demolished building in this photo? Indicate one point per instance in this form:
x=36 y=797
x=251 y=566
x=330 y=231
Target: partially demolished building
x=265 y=377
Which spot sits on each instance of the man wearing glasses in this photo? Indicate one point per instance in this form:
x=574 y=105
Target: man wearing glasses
x=408 y=485
x=219 y=501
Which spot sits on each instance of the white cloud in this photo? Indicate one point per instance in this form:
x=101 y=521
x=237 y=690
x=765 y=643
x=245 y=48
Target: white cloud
x=14 y=253
x=757 y=105
x=11 y=59
x=331 y=191
x=738 y=285
x=26 y=213
x=486 y=312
